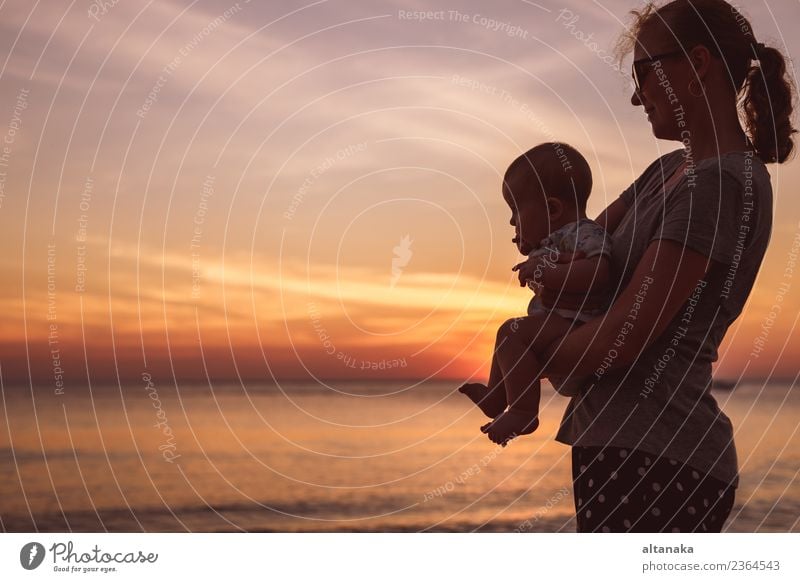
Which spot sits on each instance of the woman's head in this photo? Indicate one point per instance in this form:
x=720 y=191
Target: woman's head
x=546 y=187
x=696 y=57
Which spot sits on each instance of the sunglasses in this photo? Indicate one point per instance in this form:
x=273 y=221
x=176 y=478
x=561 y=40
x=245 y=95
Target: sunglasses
x=640 y=68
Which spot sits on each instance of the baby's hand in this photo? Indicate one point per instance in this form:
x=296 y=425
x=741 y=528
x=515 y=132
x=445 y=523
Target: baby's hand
x=531 y=269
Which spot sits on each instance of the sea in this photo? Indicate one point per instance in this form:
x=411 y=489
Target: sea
x=338 y=457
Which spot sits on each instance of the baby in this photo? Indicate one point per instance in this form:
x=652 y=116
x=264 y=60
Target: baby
x=547 y=189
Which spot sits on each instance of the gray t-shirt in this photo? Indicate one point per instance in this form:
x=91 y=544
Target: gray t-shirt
x=662 y=404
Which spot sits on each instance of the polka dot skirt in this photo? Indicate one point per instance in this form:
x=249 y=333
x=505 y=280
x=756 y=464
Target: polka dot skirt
x=622 y=490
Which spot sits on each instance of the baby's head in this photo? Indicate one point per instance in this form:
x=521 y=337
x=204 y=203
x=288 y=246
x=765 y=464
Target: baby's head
x=546 y=188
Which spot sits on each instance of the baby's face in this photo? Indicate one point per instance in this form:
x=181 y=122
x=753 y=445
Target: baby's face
x=529 y=217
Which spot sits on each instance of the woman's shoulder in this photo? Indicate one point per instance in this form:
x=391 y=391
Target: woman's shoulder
x=741 y=169
x=737 y=161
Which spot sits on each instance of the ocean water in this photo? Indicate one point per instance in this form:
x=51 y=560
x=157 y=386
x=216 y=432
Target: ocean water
x=345 y=457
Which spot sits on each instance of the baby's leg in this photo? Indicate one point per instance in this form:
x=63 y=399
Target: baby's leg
x=524 y=339
x=490 y=399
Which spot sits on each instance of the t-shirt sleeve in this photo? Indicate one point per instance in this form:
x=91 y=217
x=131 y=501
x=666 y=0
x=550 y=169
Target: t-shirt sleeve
x=705 y=214
x=593 y=240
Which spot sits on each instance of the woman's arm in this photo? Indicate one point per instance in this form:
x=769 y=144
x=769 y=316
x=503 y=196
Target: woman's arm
x=612 y=216
x=578 y=276
x=662 y=282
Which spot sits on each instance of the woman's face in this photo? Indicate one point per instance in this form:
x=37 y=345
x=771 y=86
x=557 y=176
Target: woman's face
x=663 y=83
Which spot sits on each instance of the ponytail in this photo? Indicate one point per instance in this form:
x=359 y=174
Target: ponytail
x=767 y=103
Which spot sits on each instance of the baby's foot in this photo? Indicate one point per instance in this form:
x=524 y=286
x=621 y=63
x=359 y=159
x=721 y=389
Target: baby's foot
x=510 y=424
x=491 y=403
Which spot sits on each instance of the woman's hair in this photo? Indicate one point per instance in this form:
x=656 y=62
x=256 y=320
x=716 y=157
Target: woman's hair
x=764 y=93
x=557 y=168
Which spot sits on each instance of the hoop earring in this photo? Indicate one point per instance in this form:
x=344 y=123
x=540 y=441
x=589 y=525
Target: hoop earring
x=700 y=92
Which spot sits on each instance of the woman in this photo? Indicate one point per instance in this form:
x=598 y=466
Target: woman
x=651 y=450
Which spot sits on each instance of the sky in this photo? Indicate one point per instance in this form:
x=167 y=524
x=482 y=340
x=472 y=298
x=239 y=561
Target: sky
x=291 y=190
